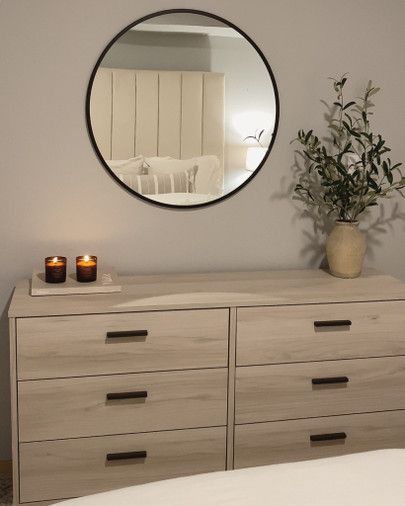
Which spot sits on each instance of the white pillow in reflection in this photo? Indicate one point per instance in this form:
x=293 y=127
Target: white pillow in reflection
x=132 y=166
x=209 y=178
x=153 y=184
x=148 y=160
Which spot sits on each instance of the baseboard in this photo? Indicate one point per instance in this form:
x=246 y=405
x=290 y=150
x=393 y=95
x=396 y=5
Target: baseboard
x=6 y=467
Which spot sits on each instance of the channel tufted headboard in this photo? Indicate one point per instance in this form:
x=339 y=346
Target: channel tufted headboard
x=158 y=113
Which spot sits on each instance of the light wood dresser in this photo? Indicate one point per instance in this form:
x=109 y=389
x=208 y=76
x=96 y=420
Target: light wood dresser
x=184 y=374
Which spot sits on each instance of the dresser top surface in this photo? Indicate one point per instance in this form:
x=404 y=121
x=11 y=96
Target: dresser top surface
x=211 y=290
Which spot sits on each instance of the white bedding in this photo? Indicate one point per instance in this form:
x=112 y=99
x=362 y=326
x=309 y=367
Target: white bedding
x=364 y=479
x=182 y=199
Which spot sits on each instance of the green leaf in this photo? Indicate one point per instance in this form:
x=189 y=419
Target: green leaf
x=361 y=143
x=387 y=172
x=260 y=134
x=350 y=104
x=349 y=119
x=373 y=91
x=372 y=183
x=355 y=134
x=308 y=136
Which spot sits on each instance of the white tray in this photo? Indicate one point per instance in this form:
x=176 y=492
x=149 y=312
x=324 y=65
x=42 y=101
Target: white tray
x=107 y=282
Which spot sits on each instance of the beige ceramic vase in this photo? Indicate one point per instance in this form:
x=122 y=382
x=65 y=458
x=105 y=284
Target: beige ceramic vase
x=345 y=250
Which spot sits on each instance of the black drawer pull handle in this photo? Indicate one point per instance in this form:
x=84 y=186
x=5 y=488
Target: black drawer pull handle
x=332 y=323
x=127 y=333
x=328 y=437
x=126 y=455
x=330 y=381
x=140 y=394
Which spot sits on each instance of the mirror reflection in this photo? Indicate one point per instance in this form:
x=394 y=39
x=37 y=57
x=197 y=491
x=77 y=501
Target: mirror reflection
x=182 y=109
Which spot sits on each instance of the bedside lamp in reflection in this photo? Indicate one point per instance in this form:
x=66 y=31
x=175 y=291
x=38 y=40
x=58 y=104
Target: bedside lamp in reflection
x=254 y=156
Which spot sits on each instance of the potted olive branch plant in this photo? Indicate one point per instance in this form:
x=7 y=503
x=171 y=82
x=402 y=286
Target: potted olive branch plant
x=346 y=174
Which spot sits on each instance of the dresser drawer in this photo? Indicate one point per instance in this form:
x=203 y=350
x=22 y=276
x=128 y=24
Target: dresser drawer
x=83 y=345
x=76 y=407
x=269 y=335
x=76 y=467
x=259 y=444
x=281 y=392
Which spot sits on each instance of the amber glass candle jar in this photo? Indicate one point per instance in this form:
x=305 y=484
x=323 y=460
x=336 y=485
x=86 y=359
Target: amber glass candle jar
x=86 y=268
x=55 y=269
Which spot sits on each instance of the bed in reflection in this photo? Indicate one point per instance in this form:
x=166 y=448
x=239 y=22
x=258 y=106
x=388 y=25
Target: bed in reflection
x=170 y=180
x=162 y=132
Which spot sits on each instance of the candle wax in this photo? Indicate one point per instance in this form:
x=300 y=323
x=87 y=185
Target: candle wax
x=55 y=264
x=89 y=263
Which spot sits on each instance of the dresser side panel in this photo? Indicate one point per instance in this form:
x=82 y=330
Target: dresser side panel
x=14 y=408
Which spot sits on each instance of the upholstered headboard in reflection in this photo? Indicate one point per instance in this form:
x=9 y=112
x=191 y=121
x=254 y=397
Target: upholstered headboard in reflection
x=158 y=113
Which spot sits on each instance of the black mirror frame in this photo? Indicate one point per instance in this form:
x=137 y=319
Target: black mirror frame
x=90 y=129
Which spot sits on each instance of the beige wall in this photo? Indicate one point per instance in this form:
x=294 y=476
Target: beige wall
x=55 y=197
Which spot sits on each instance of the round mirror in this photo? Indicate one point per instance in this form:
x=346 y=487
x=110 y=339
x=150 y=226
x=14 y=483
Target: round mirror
x=182 y=108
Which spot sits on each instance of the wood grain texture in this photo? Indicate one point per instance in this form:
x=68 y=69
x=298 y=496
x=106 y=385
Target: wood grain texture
x=14 y=409
x=225 y=289
x=231 y=387
x=65 y=338
x=76 y=467
x=77 y=407
x=39 y=503
x=280 y=392
x=77 y=345
x=276 y=442
x=288 y=334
